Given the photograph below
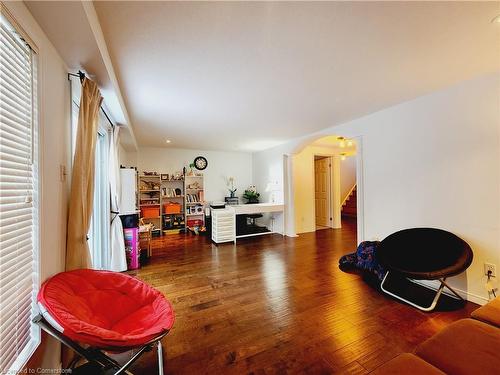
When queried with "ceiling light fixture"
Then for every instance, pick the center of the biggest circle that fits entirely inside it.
(343, 156)
(168, 141)
(343, 141)
(496, 19)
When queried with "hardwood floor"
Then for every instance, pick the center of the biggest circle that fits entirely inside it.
(275, 304)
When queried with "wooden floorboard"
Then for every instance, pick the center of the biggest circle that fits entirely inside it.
(277, 305)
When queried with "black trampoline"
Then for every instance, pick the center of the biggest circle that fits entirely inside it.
(423, 254)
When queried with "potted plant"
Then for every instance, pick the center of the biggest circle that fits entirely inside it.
(230, 187)
(251, 195)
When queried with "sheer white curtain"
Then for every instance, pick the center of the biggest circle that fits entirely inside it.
(118, 261)
(99, 234)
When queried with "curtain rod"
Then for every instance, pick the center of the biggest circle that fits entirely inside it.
(81, 75)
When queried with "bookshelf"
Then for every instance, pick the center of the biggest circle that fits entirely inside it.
(148, 191)
(194, 201)
(172, 206)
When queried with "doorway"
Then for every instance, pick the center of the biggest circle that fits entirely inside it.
(322, 191)
(305, 189)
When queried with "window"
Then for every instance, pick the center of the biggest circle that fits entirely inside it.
(18, 197)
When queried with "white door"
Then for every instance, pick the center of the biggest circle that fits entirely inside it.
(321, 191)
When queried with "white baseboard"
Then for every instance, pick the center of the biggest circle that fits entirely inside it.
(434, 284)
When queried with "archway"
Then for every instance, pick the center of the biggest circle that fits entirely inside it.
(300, 180)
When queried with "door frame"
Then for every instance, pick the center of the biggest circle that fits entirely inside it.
(360, 189)
(329, 188)
(288, 184)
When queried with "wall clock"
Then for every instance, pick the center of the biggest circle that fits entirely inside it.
(200, 163)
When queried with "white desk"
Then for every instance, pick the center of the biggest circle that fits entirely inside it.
(224, 230)
(257, 208)
(260, 208)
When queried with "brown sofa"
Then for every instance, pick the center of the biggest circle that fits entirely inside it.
(465, 347)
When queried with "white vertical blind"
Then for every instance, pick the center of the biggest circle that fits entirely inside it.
(18, 199)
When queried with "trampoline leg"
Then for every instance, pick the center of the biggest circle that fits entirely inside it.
(423, 308)
(160, 358)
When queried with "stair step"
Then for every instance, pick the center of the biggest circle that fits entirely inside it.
(349, 208)
(351, 216)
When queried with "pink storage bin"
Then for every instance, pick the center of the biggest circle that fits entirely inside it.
(132, 250)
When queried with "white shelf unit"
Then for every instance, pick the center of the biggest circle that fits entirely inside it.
(223, 225)
(149, 197)
(129, 202)
(194, 200)
(173, 191)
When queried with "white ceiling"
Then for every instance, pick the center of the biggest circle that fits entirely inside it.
(68, 25)
(250, 75)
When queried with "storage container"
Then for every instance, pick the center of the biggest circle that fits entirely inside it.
(194, 223)
(150, 212)
(130, 221)
(132, 249)
(172, 208)
(223, 225)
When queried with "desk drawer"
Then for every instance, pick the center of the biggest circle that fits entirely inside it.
(225, 231)
(223, 239)
(224, 220)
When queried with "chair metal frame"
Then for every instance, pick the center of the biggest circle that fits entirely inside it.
(432, 306)
(98, 357)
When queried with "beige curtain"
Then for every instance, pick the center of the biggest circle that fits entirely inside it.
(82, 180)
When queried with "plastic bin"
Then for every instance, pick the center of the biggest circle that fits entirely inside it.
(132, 249)
(130, 221)
(150, 212)
(172, 208)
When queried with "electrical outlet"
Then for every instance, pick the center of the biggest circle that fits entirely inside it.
(490, 267)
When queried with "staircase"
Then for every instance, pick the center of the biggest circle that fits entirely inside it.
(349, 208)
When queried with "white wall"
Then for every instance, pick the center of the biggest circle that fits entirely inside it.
(127, 158)
(268, 169)
(54, 105)
(433, 161)
(220, 166)
(347, 176)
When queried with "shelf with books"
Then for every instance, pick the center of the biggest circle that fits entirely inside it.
(148, 192)
(173, 203)
(194, 202)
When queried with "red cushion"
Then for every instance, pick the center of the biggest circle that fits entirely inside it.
(106, 309)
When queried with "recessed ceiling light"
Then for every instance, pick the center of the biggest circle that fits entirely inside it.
(168, 141)
(496, 19)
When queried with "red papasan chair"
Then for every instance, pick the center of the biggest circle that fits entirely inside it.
(100, 312)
